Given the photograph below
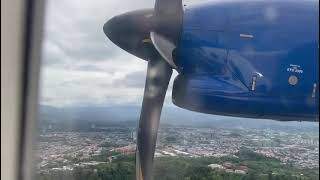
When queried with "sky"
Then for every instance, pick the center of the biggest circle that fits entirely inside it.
(79, 63)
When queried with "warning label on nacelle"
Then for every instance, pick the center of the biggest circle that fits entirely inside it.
(295, 69)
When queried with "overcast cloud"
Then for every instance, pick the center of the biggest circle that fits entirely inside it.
(80, 64)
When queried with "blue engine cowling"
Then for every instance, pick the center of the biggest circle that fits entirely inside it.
(250, 59)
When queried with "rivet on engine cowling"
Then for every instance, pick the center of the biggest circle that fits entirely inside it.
(293, 80)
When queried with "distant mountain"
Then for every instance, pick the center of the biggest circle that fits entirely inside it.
(88, 113)
(129, 115)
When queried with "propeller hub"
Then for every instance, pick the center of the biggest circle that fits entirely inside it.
(131, 31)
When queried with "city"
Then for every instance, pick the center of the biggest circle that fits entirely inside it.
(65, 151)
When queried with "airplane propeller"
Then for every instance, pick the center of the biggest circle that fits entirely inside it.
(152, 35)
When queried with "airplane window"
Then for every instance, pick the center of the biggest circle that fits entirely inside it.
(108, 72)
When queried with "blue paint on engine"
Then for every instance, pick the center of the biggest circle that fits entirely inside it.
(250, 59)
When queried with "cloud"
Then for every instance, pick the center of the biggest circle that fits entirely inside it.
(80, 64)
(75, 28)
(134, 80)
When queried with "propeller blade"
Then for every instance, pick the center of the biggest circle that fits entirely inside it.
(164, 47)
(158, 76)
(168, 17)
(168, 7)
(131, 32)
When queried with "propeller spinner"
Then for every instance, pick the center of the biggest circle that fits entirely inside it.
(152, 35)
